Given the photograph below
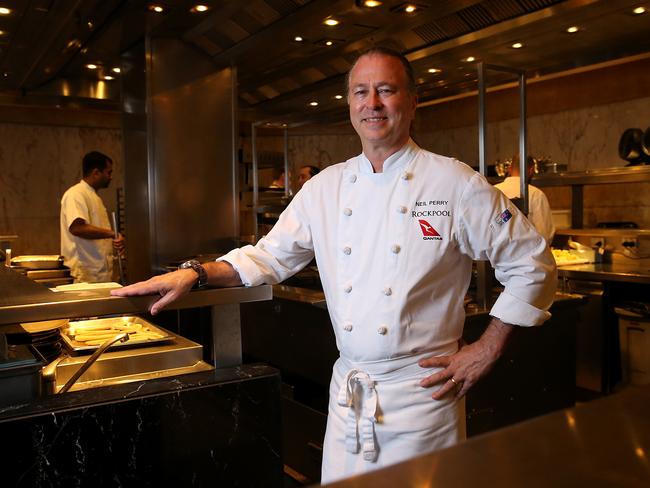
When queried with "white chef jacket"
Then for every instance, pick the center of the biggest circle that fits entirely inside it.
(89, 260)
(394, 251)
(539, 210)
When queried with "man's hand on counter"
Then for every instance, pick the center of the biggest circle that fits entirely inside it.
(470, 363)
(172, 286)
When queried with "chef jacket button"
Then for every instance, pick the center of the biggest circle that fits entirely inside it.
(406, 175)
(382, 330)
(347, 327)
(387, 291)
(347, 211)
(353, 178)
(395, 249)
(401, 209)
(347, 250)
(347, 289)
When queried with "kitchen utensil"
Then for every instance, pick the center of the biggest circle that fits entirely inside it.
(119, 253)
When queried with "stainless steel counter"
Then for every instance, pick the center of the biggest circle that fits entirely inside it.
(628, 273)
(22, 300)
(605, 443)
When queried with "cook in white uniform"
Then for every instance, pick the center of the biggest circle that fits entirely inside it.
(87, 240)
(539, 210)
(394, 232)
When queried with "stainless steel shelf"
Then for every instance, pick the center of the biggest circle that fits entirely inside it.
(602, 232)
(627, 174)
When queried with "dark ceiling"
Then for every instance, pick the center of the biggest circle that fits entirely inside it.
(45, 45)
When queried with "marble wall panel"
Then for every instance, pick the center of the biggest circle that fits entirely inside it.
(37, 164)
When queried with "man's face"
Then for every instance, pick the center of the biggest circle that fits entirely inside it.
(105, 176)
(303, 176)
(381, 106)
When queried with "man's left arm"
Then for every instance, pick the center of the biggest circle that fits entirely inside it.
(491, 228)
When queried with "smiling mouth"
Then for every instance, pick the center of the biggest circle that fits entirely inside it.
(374, 119)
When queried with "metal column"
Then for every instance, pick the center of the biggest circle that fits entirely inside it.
(484, 271)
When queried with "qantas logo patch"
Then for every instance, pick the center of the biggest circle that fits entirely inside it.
(503, 217)
(428, 232)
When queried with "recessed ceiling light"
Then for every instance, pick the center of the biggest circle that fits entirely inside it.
(573, 29)
(5, 11)
(639, 11)
(409, 9)
(434, 70)
(109, 77)
(338, 97)
(298, 39)
(469, 59)
(313, 104)
(517, 45)
(200, 8)
(328, 43)
(90, 24)
(156, 8)
(371, 3)
(91, 66)
(2, 33)
(331, 22)
(116, 70)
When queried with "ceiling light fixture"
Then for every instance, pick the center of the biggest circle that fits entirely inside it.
(639, 11)
(371, 3)
(199, 8)
(156, 8)
(313, 104)
(338, 97)
(2, 33)
(5, 11)
(409, 9)
(116, 70)
(573, 29)
(328, 43)
(109, 77)
(517, 45)
(331, 22)
(298, 39)
(434, 70)
(469, 59)
(91, 66)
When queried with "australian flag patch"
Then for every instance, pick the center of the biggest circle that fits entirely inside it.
(503, 217)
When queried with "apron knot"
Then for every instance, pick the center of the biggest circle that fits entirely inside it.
(359, 395)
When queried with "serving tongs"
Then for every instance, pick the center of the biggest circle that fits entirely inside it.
(49, 371)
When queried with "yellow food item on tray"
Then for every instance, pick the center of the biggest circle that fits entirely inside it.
(564, 255)
(96, 334)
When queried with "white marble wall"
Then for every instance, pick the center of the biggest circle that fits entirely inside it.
(37, 164)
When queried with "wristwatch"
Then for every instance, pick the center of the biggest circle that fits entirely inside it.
(200, 270)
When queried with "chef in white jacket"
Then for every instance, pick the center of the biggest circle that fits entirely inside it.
(394, 232)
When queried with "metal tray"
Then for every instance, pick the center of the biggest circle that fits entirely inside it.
(77, 346)
(39, 261)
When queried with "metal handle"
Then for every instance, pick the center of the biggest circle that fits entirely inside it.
(119, 254)
(121, 337)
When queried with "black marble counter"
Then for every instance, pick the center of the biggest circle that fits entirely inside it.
(192, 430)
